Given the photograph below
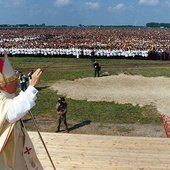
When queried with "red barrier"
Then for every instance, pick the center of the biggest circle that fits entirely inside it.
(166, 124)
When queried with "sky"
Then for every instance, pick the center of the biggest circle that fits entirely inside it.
(84, 12)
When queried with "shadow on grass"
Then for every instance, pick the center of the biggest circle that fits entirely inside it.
(43, 87)
(79, 125)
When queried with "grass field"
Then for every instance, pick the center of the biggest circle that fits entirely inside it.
(56, 69)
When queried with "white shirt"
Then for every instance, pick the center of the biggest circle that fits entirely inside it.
(21, 104)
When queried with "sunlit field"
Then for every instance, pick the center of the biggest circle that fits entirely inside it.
(56, 69)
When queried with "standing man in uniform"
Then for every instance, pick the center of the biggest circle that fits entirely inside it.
(61, 109)
(97, 69)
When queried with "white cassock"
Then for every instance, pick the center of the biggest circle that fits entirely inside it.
(16, 149)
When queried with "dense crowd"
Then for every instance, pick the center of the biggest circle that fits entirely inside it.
(87, 41)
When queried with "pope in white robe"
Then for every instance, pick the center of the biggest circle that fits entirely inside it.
(16, 149)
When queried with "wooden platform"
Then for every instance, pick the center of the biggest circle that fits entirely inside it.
(91, 152)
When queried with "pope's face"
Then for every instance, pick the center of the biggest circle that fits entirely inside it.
(10, 87)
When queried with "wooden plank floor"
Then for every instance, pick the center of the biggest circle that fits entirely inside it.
(91, 152)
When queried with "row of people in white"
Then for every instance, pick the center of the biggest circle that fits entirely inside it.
(75, 52)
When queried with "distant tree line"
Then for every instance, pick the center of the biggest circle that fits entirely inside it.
(43, 25)
(158, 25)
(8, 26)
(22, 26)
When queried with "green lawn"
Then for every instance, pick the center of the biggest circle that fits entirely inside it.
(56, 69)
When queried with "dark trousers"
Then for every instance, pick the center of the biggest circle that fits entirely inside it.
(96, 73)
(60, 119)
(23, 86)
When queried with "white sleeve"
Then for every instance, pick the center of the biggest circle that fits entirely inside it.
(21, 104)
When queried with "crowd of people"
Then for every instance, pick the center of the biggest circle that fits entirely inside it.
(78, 42)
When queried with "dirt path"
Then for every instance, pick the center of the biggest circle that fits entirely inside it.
(121, 89)
(87, 127)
